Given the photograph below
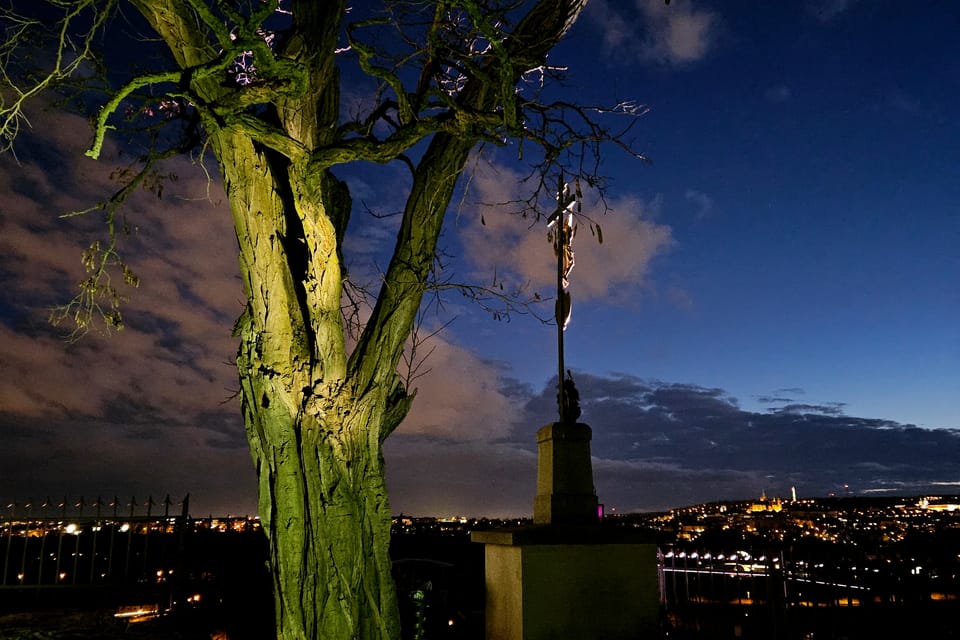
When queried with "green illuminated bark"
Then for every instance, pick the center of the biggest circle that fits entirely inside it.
(316, 421)
(316, 417)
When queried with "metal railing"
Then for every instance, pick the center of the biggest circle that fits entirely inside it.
(73, 543)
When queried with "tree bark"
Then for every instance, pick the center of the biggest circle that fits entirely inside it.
(316, 420)
(314, 436)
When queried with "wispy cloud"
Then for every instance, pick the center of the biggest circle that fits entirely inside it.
(460, 398)
(658, 445)
(150, 409)
(702, 202)
(149, 406)
(518, 251)
(778, 93)
(652, 30)
(828, 10)
(814, 446)
(826, 409)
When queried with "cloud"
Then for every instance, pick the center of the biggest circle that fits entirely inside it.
(617, 32)
(460, 397)
(827, 10)
(518, 251)
(829, 408)
(679, 298)
(475, 479)
(658, 445)
(176, 348)
(678, 33)
(701, 201)
(779, 93)
(675, 34)
(92, 457)
(148, 408)
(632, 486)
(772, 399)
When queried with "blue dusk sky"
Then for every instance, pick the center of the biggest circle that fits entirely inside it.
(775, 303)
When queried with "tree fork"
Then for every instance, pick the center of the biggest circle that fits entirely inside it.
(315, 420)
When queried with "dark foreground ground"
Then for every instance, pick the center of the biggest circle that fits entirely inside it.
(70, 624)
(440, 585)
(225, 594)
(89, 616)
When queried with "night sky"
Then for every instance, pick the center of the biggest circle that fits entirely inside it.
(775, 303)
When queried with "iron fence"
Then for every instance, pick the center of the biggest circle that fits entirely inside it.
(72, 543)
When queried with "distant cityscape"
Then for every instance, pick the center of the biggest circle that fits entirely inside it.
(852, 519)
(835, 567)
(871, 521)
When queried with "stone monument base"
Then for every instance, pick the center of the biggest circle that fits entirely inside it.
(589, 583)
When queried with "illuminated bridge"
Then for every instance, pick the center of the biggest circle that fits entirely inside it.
(774, 595)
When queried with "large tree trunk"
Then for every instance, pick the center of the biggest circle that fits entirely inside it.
(315, 420)
(324, 507)
(315, 439)
(315, 429)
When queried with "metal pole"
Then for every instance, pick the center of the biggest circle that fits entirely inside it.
(76, 545)
(26, 540)
(93, 545)
(113, 531)
(126, 566)
(63, 518)
(561, 247)
(6, 559)
(43, 546)
(146, 538)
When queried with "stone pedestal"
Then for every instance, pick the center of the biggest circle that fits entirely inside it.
(565, 493)
(551, 582)
(568, 576)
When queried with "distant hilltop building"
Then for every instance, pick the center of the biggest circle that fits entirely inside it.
(775, 506)
(928, 506)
